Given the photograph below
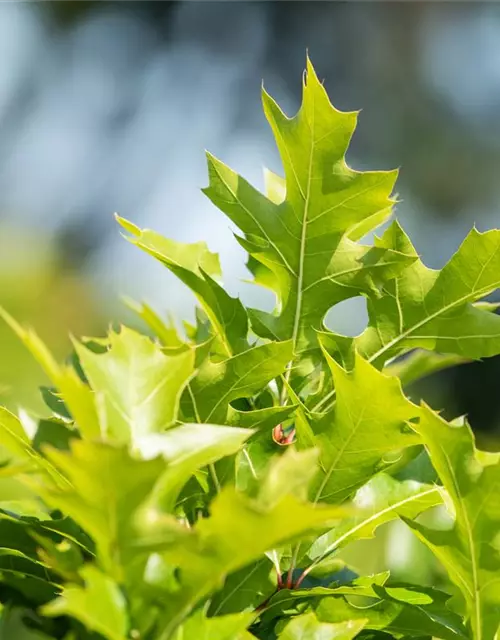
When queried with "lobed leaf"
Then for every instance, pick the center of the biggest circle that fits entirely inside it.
(228, 627)
(468, 550)
(219, 383)
(99, 604)
(186, 449)
(358, 438)
(300, 234)
(381, 500)
(76, 394)
(107, 487)
(308, 626)
(139, 386)
(433, 309)
(194, 264)
(238, 531)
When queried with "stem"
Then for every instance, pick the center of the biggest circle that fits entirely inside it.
(276, 563)
(341, 539)
(211, 466)
(250, 463)
(213, 474)
(286, 379)
(324, 400)
(302, 576)
(293, 562)
(263, 605)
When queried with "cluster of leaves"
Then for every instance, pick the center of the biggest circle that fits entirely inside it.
(201, 485)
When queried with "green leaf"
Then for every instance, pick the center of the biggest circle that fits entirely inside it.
(99, 604)
(14, 438)
(468, 550)
(229, 627)
(245, 589)
(55, 403)
(404, 612)
(186, 449)
(360, 437)
(218, 384)
(308, 627)
(24, 575)
(261, 419)
(139, 385)
(419, 364)
(76, 395)
(12, 625)
(301, 241)
(107, 488)
(289, 474)
(194, 264)
(379, 501)
(433, 309)
(165, 332)
(53, 432)
(238, 532)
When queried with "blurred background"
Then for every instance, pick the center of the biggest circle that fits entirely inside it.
(108, 107)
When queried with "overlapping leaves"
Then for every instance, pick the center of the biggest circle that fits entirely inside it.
(434, 309)
(163, 497)
(469, 550)
(305, 240)
(357, 438)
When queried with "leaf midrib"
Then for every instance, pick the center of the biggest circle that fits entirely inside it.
(375, 516)
(235, 386)
(470, 542)
(468, 297)
(303, 239)
(339, 455)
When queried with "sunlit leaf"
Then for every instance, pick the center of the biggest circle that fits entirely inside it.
(433, 309)
(107, 488)
(359, 437)
(308, 626)
(239, 531)
(194, 264)
(76, 394)
(228, 627)
(139, 385)
(300, 238)
(99, 604)
(381, 500)
(468, 550)
(219, 383)
(186, 449)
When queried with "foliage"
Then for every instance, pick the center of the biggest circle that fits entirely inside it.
(202, 484)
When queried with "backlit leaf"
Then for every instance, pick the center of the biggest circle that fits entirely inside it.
(228, 627)
(308, 627)
(468, 550)
(107, 488)
(301, 239)
(194, 264)
(433, 309)
(76, 394)
(359, 437)
(139, 385)
(381, 500)
(219, 383)
(99, 604)
(186, 449)
(238, 531)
